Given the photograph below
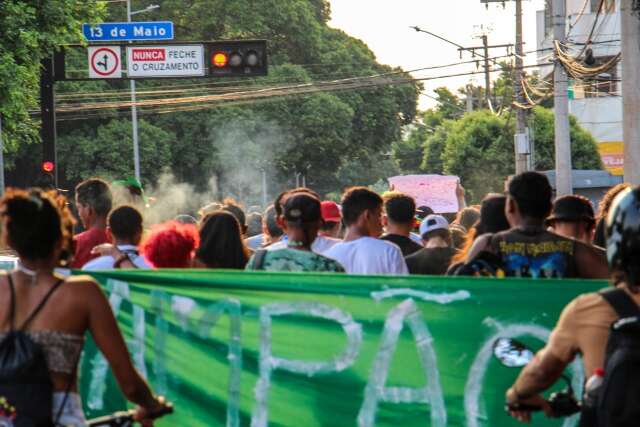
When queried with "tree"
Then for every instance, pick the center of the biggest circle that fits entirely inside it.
(107, 151)
(31, 30)
(479, 149)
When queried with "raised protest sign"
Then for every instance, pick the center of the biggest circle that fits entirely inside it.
(436, 191)
(316, 350)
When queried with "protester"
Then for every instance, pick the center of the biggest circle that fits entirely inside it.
(124, 228)
(209, 208)
(436, 255)
(398, 220)
(320, 245)
(186, 219)
(221, 244)
(458, 235)
(573, 217)
(254, 224)
(302, 219)
(171, 245)
(234, 208)
(467, 217)
(93, 202)
(586, 322)
(56, 313)
(361, 252)
(603, 211)
(332, 220)
(528, 249)
(492, 220)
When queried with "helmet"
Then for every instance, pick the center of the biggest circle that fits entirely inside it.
(623, 234)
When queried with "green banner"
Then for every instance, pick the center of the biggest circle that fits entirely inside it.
(323, 350)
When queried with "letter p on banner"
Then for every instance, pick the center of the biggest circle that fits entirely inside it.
(269, 362)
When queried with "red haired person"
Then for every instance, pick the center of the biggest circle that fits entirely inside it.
(171, 245)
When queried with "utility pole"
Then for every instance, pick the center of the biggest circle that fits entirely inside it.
(469, 98)
(564, 169)
(630, 25)
(487, 69)
(134, 115)
(487, 75)
(521, 141)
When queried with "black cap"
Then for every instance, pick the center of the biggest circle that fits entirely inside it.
(300, 208)
(424, 211)
(572, 208)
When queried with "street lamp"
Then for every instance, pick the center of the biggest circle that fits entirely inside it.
(134, 109)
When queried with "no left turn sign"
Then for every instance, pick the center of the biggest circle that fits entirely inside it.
(104, 62)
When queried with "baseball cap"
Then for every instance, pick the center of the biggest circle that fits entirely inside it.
(432, 223)
(300, 208)
(330, 211)
(572, 208)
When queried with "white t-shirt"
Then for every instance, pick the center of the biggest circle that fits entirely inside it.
(320, 245)
(416, 238)
(367, 255)
(254, 242)
(106, 262)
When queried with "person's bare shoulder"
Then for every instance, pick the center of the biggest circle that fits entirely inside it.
(479, 245)
(82, 286)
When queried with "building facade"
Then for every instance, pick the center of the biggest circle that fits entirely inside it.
(596, 103)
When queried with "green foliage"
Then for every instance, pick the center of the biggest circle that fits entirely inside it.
(29, 31)
(107, 151)
(433, 148)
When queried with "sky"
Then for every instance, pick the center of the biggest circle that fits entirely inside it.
(384, 26)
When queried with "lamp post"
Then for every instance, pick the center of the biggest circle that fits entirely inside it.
(134, 109)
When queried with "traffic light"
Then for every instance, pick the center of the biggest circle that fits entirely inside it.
(237, 58)
(48, 178)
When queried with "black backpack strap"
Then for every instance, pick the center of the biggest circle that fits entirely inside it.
(258, 259)
(12, 307)
(621, 302)
(40, 306)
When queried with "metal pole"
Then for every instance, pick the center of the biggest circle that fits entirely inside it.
(469, 99)
(1, 160)
(487, 75)
(564, 172)
(521, 132)
(134, 115)
(630, 25)
(264, 189)
(48, 116)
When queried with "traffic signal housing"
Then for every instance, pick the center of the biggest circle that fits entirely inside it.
(237, 58)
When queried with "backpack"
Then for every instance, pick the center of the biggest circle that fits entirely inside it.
(26, 391)
(618, 397)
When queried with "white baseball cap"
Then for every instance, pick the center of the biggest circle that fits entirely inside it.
(432, 223)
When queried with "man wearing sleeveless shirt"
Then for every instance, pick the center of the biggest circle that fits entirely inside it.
(528, 249)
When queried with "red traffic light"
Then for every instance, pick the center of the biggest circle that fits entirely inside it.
(48, 167)
(219, 59)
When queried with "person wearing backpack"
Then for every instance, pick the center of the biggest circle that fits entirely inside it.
(44, 318)
(604, 328)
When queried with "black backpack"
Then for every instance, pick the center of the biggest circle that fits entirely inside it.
(618, 399)
(25, 381)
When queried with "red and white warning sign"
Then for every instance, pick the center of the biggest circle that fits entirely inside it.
(165, 61)
(104, 62)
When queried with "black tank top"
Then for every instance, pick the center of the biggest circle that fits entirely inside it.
(535, 253)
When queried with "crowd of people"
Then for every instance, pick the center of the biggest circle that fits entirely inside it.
(521, 233)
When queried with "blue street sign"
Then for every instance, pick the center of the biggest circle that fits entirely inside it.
(126, 31)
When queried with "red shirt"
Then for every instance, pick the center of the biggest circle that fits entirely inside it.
(86, 241)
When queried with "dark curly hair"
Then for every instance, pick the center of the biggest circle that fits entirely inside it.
(35, 221)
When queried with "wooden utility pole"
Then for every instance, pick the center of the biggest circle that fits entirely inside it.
(630, 25)
(564, 171)
(521, 140)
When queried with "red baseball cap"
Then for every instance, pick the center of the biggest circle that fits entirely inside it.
(330, 211)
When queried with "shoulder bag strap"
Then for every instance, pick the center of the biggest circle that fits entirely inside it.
(622, 303)
(258, 260)
(12, 307)
(40, 306)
